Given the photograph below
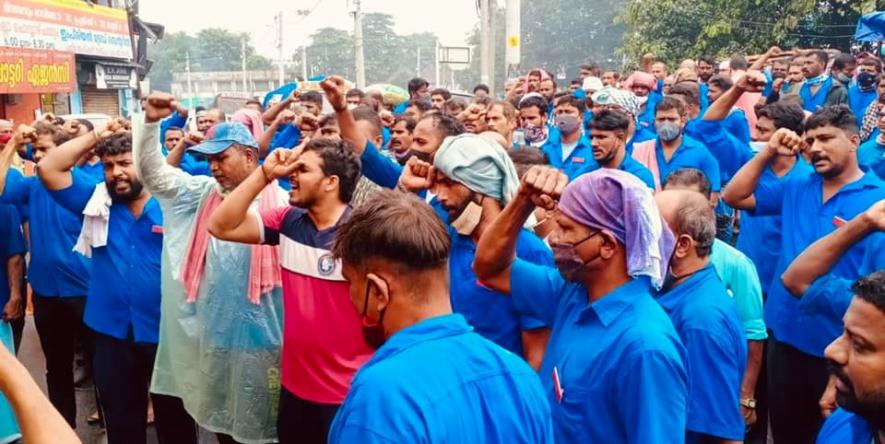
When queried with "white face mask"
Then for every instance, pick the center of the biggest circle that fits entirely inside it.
(469, 219)
(757, 146)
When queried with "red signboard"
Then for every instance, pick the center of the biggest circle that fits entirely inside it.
(24, 71)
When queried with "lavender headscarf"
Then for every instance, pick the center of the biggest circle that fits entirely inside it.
(619, 202)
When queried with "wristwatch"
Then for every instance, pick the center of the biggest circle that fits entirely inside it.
(748, 403)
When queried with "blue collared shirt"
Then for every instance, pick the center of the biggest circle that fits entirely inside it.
(12, 243)
(870, 154)
(54, 270)
(739, 275)
(626, 337)
(576, 163)
(95, 171)
(124, 290)
(859, 100)
(760, 237)
(629, 165)
(691, 154)
(844, 427)
(737, 125)
(729, 152)
(804, 220)
(708, 323)
(437, 381)
(492, 314)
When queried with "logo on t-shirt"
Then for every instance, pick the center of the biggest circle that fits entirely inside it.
(326, 265)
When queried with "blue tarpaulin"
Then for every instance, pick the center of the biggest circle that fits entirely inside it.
(279, 94)
(871, 27)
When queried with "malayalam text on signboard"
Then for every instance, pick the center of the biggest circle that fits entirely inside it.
(65, 25)
(25, 71)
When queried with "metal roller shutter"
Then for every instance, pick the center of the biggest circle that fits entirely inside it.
(102, 101)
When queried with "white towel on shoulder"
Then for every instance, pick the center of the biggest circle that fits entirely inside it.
(96, 217)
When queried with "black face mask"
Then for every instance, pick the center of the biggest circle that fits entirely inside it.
(373, 333)
(421, 155)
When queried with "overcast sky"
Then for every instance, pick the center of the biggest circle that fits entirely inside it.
(451, 20)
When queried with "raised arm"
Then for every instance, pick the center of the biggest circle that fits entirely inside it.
(39, 421)
(496, 249)
(173, 157)
(759, 63)
(739, 192)
(336, 91)
(160, 178)
(55, 168)
(231, 220)
(752, 82)
(821, 256)
(285, 117)
(22, 136)
(271, 114)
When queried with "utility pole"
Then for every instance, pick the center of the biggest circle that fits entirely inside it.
(418, 65)
(243, 51)
(280, 60)
(190, 86)
(514, 39)
(359, 62)
(304, 13)
(436, 62)
(487, 42)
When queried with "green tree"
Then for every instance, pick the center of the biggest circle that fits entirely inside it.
(168, 57)
(384, 50)
(330, 52)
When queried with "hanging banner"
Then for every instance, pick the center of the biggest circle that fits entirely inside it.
(24, 71)
(65, 25)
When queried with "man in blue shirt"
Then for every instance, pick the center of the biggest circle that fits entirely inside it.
(608, 138)
(123, 234)
(863, 92)
(12, 258)
(394, 252)
(820, 89)
(417, 90)
(856, 358)
(706, 319)
(736, 121)
(58, 276)
(811, 206)
(606, 325)
(872, 152)
(569, 148)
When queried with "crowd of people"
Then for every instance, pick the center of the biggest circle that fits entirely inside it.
(692, 256)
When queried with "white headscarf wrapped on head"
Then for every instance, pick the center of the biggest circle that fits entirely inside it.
(481, 165)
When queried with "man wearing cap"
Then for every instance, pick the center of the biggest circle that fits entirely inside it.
(614, 369)
(434, 379)
(474, 179)
(218, 356)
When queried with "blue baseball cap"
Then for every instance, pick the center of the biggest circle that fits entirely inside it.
(223, 136)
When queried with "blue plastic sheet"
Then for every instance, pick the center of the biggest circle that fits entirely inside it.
(871, 27)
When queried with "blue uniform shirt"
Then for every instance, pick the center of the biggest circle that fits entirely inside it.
(473, 392)
(729, 152)
(844, 427)
(737, 125)
(575, 164)
(54, 270)
(870, 154)
(96, 171)
(492, 314)
(12, 243)
(691, 154)
(624, 337)
(124, 290)
(812, 103)
(859, 100)
(804, 220)
(629, 165)
(708, 323)
(760, 237)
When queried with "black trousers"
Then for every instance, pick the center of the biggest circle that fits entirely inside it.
(59, 322)
(174, 425)
(796, 382)
(758, 433)
(302, 421)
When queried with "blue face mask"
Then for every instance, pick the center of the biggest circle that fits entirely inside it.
(668, 131)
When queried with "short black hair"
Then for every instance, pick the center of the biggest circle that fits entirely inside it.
(423, 105)
(441, 92)
(689, 91)
(50, 129)
(842, 60)
(174, 128)
(610, 120)
(355, 92)
(668, 103)
(253, 102)
(117, 143)
(87, 123)
(872, 61)
(416, 84)
(839, 116)
(410, 122)
(871, 288)
(690, 177)
(571, 100)
(446, 125)
(535, 101)
(339, 159)
(312, 97)
(578, 82)
(821, 56)
(365, 113)
(526, 157)
(738, 63)
(789, 116)
(708, 60)
(481, 87)
(724, 83)
(328, 119)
